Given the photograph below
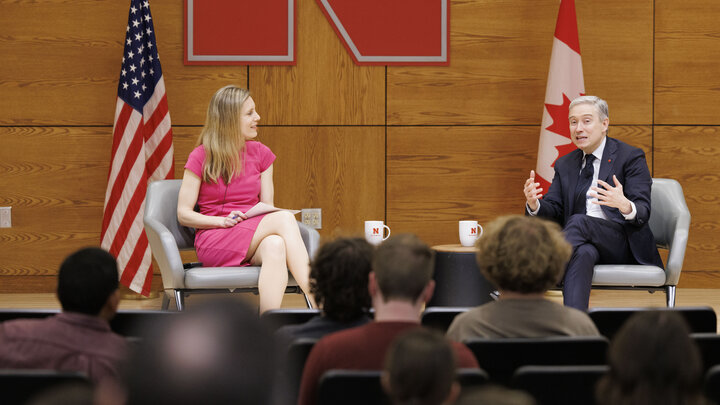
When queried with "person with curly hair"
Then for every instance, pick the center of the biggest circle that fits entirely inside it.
(523, 257)
(400, 285)
(338, 281)
(653, 360)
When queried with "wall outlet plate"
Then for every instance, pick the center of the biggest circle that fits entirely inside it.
(311, 217)
(5, 217)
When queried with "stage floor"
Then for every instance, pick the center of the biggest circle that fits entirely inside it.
(599, 298)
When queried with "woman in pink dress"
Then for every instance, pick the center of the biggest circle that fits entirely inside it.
(226, 174)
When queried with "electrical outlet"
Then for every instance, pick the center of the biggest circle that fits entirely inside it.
(312, 217)
(5, 221)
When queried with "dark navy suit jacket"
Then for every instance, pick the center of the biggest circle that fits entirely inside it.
(629, 165)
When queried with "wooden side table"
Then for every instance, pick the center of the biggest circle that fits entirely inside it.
(458, 282)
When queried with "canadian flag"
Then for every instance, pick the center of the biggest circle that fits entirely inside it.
(565, 82)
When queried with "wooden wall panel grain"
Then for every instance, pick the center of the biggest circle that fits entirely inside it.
(616, 42)
(338, 169)
(500, 54)
(691, 156)
(61, 63)
(325, 87)
(460, 139)
(55, 180)
(437, 176)
(687, 51)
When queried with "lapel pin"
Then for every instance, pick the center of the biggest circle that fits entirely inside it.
(609, 160)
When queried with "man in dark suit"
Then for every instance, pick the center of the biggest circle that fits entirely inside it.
(601, 196)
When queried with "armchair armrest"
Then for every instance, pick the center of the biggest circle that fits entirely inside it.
(311, 237)
(164, 248)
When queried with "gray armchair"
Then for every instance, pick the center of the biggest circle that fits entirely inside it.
(670, 224)
(167, 238)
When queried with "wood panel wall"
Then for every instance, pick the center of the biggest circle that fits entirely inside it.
(420, 147)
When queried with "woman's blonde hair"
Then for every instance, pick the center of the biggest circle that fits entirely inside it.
(221, 134)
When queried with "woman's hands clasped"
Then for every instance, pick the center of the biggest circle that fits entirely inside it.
(232, 219)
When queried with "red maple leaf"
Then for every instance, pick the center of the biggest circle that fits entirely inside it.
(560, 126)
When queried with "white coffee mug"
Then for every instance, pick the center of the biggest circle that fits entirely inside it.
(470, 231)
(374, 232)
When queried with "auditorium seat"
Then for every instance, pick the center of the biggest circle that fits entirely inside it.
(18, 386)
(276, 318)
(440, 318)
(7, 314)
(559, 385)
(131, 322)
(356, 387)
(709, 346)
(501, 357)
(712, 384)
(291, 369)
(127, 322)
(610, 320)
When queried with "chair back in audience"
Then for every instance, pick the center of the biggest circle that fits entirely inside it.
(712, 384)
(131, 323)
(709, 345)
(291, 370)
(19, 386)
(501, 357)
(127, 323)
(350, 387)
(440, 318)
(277, 318)
(610, 320)
(8, 314)
(471, 377)
(559, 385)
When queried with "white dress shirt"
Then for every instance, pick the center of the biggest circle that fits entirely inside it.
(592, 209)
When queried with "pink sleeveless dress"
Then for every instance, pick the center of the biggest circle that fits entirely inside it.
(220, 247)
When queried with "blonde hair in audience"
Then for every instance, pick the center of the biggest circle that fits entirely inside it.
(523, 254)
(221, 135)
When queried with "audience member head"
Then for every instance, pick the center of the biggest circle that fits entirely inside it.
(221, 135)
(88, 283)
(521, 254)
(403, 268)
(420, 369)
(217, 352)
(491, 394)
(339, 278)
(653, 360)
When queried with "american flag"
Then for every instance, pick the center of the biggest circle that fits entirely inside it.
(142, 150)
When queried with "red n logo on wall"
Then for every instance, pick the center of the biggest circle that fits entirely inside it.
(239, 32)
(375, 32)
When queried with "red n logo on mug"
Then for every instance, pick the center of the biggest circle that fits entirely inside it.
(376, 231)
